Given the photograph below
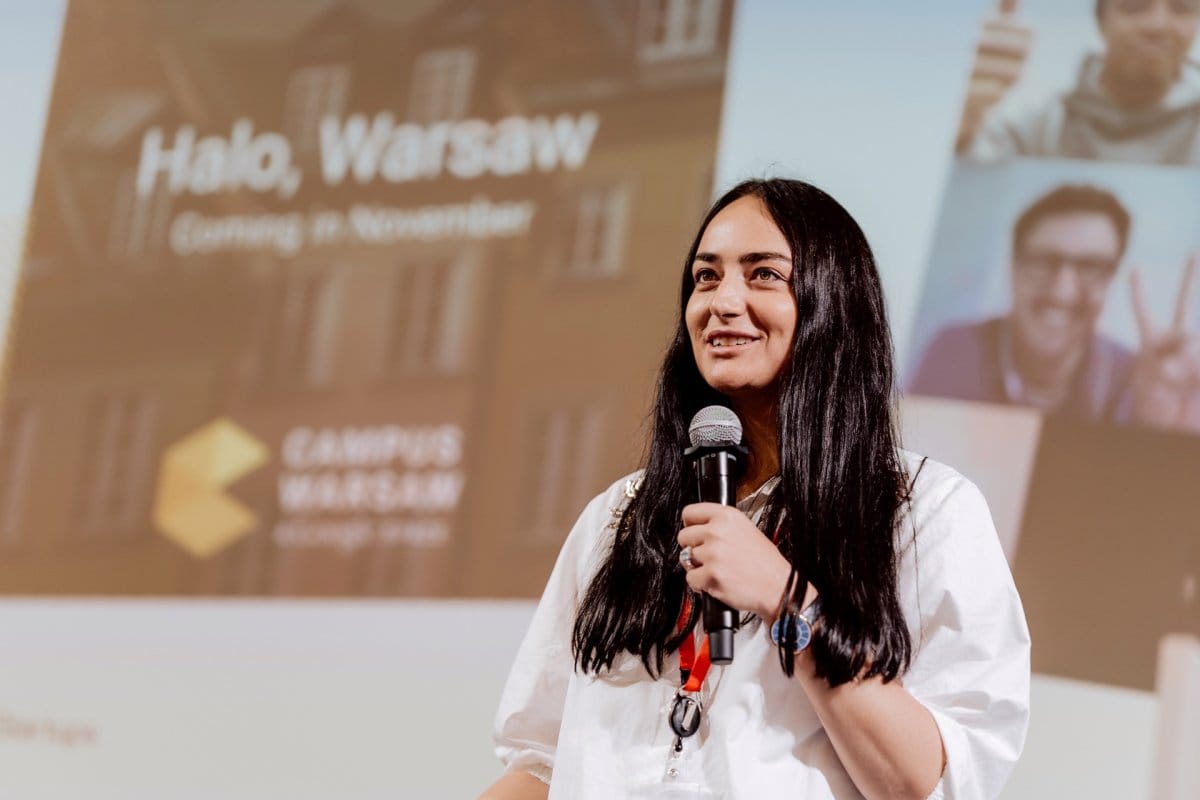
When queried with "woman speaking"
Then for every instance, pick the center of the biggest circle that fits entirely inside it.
(882, 650)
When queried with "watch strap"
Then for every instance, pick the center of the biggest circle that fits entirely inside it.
(812, 612)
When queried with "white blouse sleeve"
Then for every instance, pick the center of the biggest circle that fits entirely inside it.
(971, 647)
(527, 721)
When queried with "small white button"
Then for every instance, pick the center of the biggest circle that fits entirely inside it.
(672, 773)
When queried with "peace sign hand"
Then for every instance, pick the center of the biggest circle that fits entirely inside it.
(1166, 376)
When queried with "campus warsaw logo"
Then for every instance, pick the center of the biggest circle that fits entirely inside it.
(191, 507)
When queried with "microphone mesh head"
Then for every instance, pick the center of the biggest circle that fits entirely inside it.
(715, 426)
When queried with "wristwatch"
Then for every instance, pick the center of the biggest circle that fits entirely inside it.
(802, 625)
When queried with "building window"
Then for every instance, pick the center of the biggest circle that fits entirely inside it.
(314, 93)
(17, 429)
(139, 221)
(432, 317)
(306, 328)
(118, 465)
(567, 449)
(675, 29)
(441, 85)
(598, 228)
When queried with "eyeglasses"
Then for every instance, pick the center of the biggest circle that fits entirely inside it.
(1095, 271)
(1180, 8)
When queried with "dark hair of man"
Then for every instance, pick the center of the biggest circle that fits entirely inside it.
(1072, 199)
(841, 480)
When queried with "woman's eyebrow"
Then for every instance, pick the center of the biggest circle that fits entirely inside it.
(748, 258)
(754, 258)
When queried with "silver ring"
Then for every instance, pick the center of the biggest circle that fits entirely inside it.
(685, 558)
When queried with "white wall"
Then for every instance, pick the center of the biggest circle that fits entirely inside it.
(354, 700)
(295, 700)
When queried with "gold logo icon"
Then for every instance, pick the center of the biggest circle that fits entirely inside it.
(191, 507)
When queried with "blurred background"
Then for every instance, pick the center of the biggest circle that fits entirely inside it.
(324, 318)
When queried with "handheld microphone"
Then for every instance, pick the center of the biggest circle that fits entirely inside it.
(717, 458)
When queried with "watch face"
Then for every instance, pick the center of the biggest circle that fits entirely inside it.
(803, 633)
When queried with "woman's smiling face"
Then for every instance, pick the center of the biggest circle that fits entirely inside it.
(741, 316)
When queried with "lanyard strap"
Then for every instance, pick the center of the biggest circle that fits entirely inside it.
(693, 666)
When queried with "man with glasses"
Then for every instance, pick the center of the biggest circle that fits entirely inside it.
(1045, 352)
(1137, 101)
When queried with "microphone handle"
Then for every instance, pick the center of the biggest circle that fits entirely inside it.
(720, 621)
(716, 480)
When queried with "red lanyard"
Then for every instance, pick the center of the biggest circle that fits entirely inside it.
(694, 666)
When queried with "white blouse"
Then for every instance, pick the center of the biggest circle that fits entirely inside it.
(608, 737)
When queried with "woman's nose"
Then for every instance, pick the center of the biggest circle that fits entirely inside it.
(729, 299)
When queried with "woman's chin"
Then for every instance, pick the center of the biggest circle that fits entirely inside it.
(744, 391)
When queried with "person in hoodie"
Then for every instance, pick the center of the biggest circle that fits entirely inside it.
(1138, 101)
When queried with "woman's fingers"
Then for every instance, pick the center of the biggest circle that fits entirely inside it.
(703, 521)
(692, 535)
(700, 513)
(701, 580)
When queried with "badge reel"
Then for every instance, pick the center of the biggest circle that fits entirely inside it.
(686, 715)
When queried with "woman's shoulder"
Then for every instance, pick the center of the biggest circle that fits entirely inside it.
(589, 538)
(940, 498)
(617, 495)
(929, 482)
(626, 487)
(603, 511)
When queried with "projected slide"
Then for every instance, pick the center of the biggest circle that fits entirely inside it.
(317, 292)
(1064, 278)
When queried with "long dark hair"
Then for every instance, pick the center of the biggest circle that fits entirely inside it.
(841, 484)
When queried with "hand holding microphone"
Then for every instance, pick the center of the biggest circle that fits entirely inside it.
(726, 556)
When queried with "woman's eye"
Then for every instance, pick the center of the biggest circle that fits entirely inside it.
(766, 274)
(705, 275)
